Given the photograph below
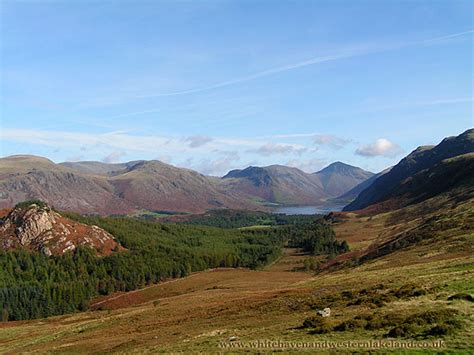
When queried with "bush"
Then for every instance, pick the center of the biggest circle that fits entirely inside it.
(440, 330)
(28, 203)
(318, 325)
(351, 325)
(461, 296)
(416, 324)
(407, 291)
(400, 331)
(430, 317)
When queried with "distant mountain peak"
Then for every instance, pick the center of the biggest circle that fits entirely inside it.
(340, 167)
(27, 158)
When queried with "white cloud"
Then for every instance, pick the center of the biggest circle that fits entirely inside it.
(167, 159)
(198, 141)
(330, 141)
(381, 147)
(113, 157)
(220, 166)
(75, 158)
(278, 149)
(309, 166)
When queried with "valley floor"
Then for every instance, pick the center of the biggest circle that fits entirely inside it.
(214, 310)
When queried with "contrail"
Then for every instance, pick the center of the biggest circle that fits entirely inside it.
(448, 36)
(302, 64)
(258, 75)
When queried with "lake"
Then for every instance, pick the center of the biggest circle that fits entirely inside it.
(307, 210)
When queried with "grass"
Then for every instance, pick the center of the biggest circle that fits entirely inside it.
(196, 313)
(420, 292)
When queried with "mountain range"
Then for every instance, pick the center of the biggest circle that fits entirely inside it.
(96, 187)
(291, 186)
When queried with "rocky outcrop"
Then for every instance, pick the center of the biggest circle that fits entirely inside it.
(37, 227)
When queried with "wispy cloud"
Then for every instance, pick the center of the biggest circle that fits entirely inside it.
(113, 157)
(312, 61)
(75, 158)
(278, 149)
(447, 37)
(307, 165)
(258, 75)
(197, 141)
(219, 166)
(330, 141)
(125, 141)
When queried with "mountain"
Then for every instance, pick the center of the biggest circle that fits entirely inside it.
(26, 177)
(287, 185)
(97, 168)
(338, 178)
(92, 187)
(277, 184)
(449, 164)
(356, 190)
(154, 185)
(35, 226)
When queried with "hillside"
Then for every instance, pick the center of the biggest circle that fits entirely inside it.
(394, 186)
(48, 268)
(416, 294)
(356, 190)
(93, 187)
(407, 278)
(99, 168)
(27, 177)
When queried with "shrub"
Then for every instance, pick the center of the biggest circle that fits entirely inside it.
(317, 324)
(351, 325)
(28, 203)
(440, 330)
(348, 295)
(461, 296)
(430, 317)
(417, 324)
(400, 331)
(407, 291)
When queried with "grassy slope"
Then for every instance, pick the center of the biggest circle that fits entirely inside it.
(197, 312)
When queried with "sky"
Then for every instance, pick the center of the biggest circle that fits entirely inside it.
(219, 85)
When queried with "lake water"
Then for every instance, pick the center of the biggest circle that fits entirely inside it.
(322, 209)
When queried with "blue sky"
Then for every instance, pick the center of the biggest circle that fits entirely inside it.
(217, 85)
